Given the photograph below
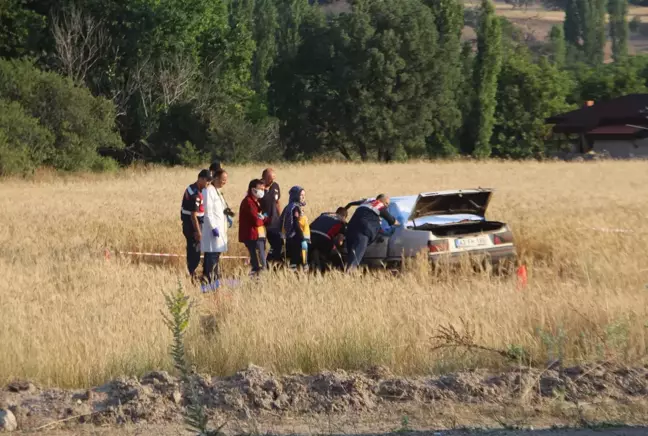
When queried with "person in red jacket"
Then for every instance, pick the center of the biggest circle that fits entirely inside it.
(252, 222)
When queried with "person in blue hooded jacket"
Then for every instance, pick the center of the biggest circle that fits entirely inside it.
(295, 228)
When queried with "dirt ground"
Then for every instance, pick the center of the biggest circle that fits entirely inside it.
(176, 430)
(255, 401)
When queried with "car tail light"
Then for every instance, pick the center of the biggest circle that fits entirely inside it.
(437, 246)
(503, 238)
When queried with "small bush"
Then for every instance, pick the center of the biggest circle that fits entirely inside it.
(190, 156)
(24, 143)
(236, 139)
(80, 123)
(105, 165)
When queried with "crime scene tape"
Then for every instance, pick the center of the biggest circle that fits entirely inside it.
(142, 253)
(608, 230)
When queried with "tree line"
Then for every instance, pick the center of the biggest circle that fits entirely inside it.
(89, 84)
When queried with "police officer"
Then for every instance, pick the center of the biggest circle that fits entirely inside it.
(192, 212)
(327, 233)
(364, 227)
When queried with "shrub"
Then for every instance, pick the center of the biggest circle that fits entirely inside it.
(24, 143)
(104, 164)
(80, 123)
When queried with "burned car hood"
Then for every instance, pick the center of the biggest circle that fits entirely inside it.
(467, 201)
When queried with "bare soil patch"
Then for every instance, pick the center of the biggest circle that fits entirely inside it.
(254, 395)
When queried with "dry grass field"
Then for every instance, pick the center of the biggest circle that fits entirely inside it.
(70, 317)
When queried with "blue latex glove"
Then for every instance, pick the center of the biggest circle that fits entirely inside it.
(261, 216)
(215, 232)
(304, 245)
(229, 221)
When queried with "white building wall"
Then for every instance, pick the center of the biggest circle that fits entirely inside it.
(622, 148)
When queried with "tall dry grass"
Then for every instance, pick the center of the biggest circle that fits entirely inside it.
(71, 318)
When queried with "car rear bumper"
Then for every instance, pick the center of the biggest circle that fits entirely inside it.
(494, 254)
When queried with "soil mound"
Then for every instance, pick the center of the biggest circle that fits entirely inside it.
(157, 396)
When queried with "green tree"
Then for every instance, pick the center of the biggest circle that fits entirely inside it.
(488, 64)
(266, 26)
(24, 143)
(594, 30)
(21, 29)
(292, 14)
(607, 81)
(573, 27)
(365, 83)
(527, 93)
(81, 124)
(447, 118)
(391, 48)
(618, 10)
(584, 28)
(557, 42)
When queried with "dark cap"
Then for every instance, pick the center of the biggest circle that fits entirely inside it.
(205, 174)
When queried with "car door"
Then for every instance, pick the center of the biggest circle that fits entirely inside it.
(377, 252)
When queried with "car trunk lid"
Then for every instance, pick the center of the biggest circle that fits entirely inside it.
(468, 201)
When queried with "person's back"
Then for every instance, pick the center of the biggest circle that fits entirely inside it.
(327, 232)
(366, 219)
(328, 225)
(364, 227)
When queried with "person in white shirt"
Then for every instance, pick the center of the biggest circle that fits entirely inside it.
(214, 230)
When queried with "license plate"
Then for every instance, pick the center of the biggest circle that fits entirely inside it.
(479, 241)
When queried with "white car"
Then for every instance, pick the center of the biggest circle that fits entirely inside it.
(445, 225)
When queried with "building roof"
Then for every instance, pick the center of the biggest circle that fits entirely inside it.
(629, 109)
(618, 132)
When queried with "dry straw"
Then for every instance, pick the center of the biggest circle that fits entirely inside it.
(71, 318)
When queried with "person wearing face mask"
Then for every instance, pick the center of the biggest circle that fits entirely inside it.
(252, 222)
(214, 230)
(296, 229)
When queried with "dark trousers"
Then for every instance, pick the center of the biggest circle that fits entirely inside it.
(321, 253)
(193, 247)
(294, 252)
(211, 271)
(193, 254)
(257, 254)
(275, 253)
(356, 247)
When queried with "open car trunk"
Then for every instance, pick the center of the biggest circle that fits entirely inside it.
(451, 213)
(460, 229)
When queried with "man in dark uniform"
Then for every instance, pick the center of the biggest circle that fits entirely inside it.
(327, 234)
(364, 227)
(272, 208)
(192, 212)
